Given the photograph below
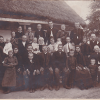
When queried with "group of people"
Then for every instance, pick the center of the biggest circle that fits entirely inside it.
(50, 58)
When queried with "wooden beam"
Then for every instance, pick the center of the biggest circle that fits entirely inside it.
(22, 20)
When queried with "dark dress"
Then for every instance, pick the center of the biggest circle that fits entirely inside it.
(19, 75)
(9, 79)
(86, 51)
(83, 78)
(93, 71)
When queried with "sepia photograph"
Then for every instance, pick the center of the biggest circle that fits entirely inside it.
(49, 49)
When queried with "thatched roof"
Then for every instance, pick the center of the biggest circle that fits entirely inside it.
(58, 11)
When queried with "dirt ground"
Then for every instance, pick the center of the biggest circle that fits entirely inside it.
(74, 93)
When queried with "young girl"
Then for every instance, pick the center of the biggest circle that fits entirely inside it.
(9, 79)
(41, 43)
(93, 70)
(35, 46)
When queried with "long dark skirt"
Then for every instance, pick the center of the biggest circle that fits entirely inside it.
(83, 79)
(9, 79)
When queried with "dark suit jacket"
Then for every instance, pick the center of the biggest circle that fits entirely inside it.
(85, 49)
(54, 31)
(18, 35)
(80, 59)
(71, 63)
(77, 33)
(60, 60)
(41, 33)
(44, 60)
(62, 34)
(31, 66)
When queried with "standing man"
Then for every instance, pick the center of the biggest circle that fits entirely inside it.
(77, 34)
(62, 34)
(51, 32)
(19, 33)
(29, 34)
(40, 33)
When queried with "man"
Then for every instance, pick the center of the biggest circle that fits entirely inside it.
(40, 33)
(2, 44)
(68, 46)
(29, 34)
(51, 32)
(19, 33)
(77, 34)
(62, 34)
(60, 68)
(45, 69)
(22, 46)
(93, 42)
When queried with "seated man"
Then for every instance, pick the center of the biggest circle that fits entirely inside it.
(60, 67)
(45, 69)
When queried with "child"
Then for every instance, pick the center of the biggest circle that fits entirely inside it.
(71, 64)
(7, 47)
(52, 45)
(31, 67)
(41, 43)
(57, 43)
(35, 46)
(9, 79)
(93, 70)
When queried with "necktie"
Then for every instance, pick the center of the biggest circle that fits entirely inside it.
(68, 47)
(51, 33)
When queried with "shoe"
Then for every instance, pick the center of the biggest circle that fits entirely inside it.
(42, 88)
(31, 91)
(7, 92)
(67, 87)
(50, 88)
(57, 88)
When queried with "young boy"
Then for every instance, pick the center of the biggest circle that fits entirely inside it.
(71, 64)
(93, 70)
(31, 68)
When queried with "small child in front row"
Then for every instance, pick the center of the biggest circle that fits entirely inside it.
(93, 70)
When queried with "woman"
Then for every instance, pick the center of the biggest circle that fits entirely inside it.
(19, 69)
(9, 79)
